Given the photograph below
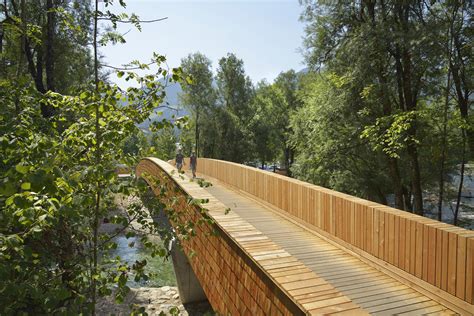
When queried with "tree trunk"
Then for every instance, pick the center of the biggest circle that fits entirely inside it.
(380, 196)
(49, 60)
(411, 102)
(287, 160)
(462, 94)
(95, 223)
(416, 180)
(445, 124)
(461, 177)
(443, 149)
(397, 182)
(197, 132)
(392, 162)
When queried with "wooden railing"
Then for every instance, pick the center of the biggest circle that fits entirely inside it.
(435, 257)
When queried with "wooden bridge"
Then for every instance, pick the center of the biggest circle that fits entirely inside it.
(292, 248)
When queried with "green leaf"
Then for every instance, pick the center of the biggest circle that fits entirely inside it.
(26, 186)
(84, 95)
(22, 169)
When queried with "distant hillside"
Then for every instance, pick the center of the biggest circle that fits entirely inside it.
(169, 108)
(304, 71)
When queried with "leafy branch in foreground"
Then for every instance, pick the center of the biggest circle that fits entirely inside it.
(57, 183)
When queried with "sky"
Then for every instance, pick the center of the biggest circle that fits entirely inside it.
(265, 34)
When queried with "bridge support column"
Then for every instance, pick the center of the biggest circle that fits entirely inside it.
(190, 290)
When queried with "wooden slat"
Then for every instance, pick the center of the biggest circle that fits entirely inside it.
(425, 253)
(437, 309)
(444, 260)
(382, 235)
(452, 262)
(395, 302)
(419, 249)
(318, 295)
(337, 308)
(431, 265)
(413, 254)
(376, 232)
(461, 261)
(419, 308)
(469, 294)
(402, 243)
(325, 303)
(439, 257)
(369, 219)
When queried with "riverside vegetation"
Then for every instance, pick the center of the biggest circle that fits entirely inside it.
(62, 129)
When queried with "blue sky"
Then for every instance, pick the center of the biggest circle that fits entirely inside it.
(266, 34)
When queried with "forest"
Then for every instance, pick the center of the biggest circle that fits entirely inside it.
(382, 111)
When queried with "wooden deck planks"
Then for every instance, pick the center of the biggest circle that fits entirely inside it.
(341, 275)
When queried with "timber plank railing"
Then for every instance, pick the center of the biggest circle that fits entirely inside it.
(435, 258)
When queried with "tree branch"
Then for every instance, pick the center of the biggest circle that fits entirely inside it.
(133, 22)
(126, 68)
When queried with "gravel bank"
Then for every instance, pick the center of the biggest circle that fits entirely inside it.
(156, 300)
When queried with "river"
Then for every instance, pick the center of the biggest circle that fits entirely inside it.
(161, 269)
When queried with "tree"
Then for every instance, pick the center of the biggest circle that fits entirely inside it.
(329, 151)
(234, 87)
(33, 32)
(268, 105)
(134, 143)
(163, 144)
(199, 95)
(460, 63)
(392, 50)
(234, 94)
(288, 83)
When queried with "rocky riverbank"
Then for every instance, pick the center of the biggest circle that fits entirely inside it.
(156, 301)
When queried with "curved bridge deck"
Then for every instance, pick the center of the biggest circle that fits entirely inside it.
(371, 289)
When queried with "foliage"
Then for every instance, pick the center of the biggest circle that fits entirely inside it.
(48, 42)
(329, 151)
(268, 106)
(396, 69)
(163, 144)
(50, 176)
(132, 144)
(235, 90)
(198, 92)
(390, 134)
(58, 183)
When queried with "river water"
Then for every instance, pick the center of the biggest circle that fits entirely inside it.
(161, 269)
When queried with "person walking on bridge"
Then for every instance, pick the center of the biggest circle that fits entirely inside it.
(193, 163)
(179, 160)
